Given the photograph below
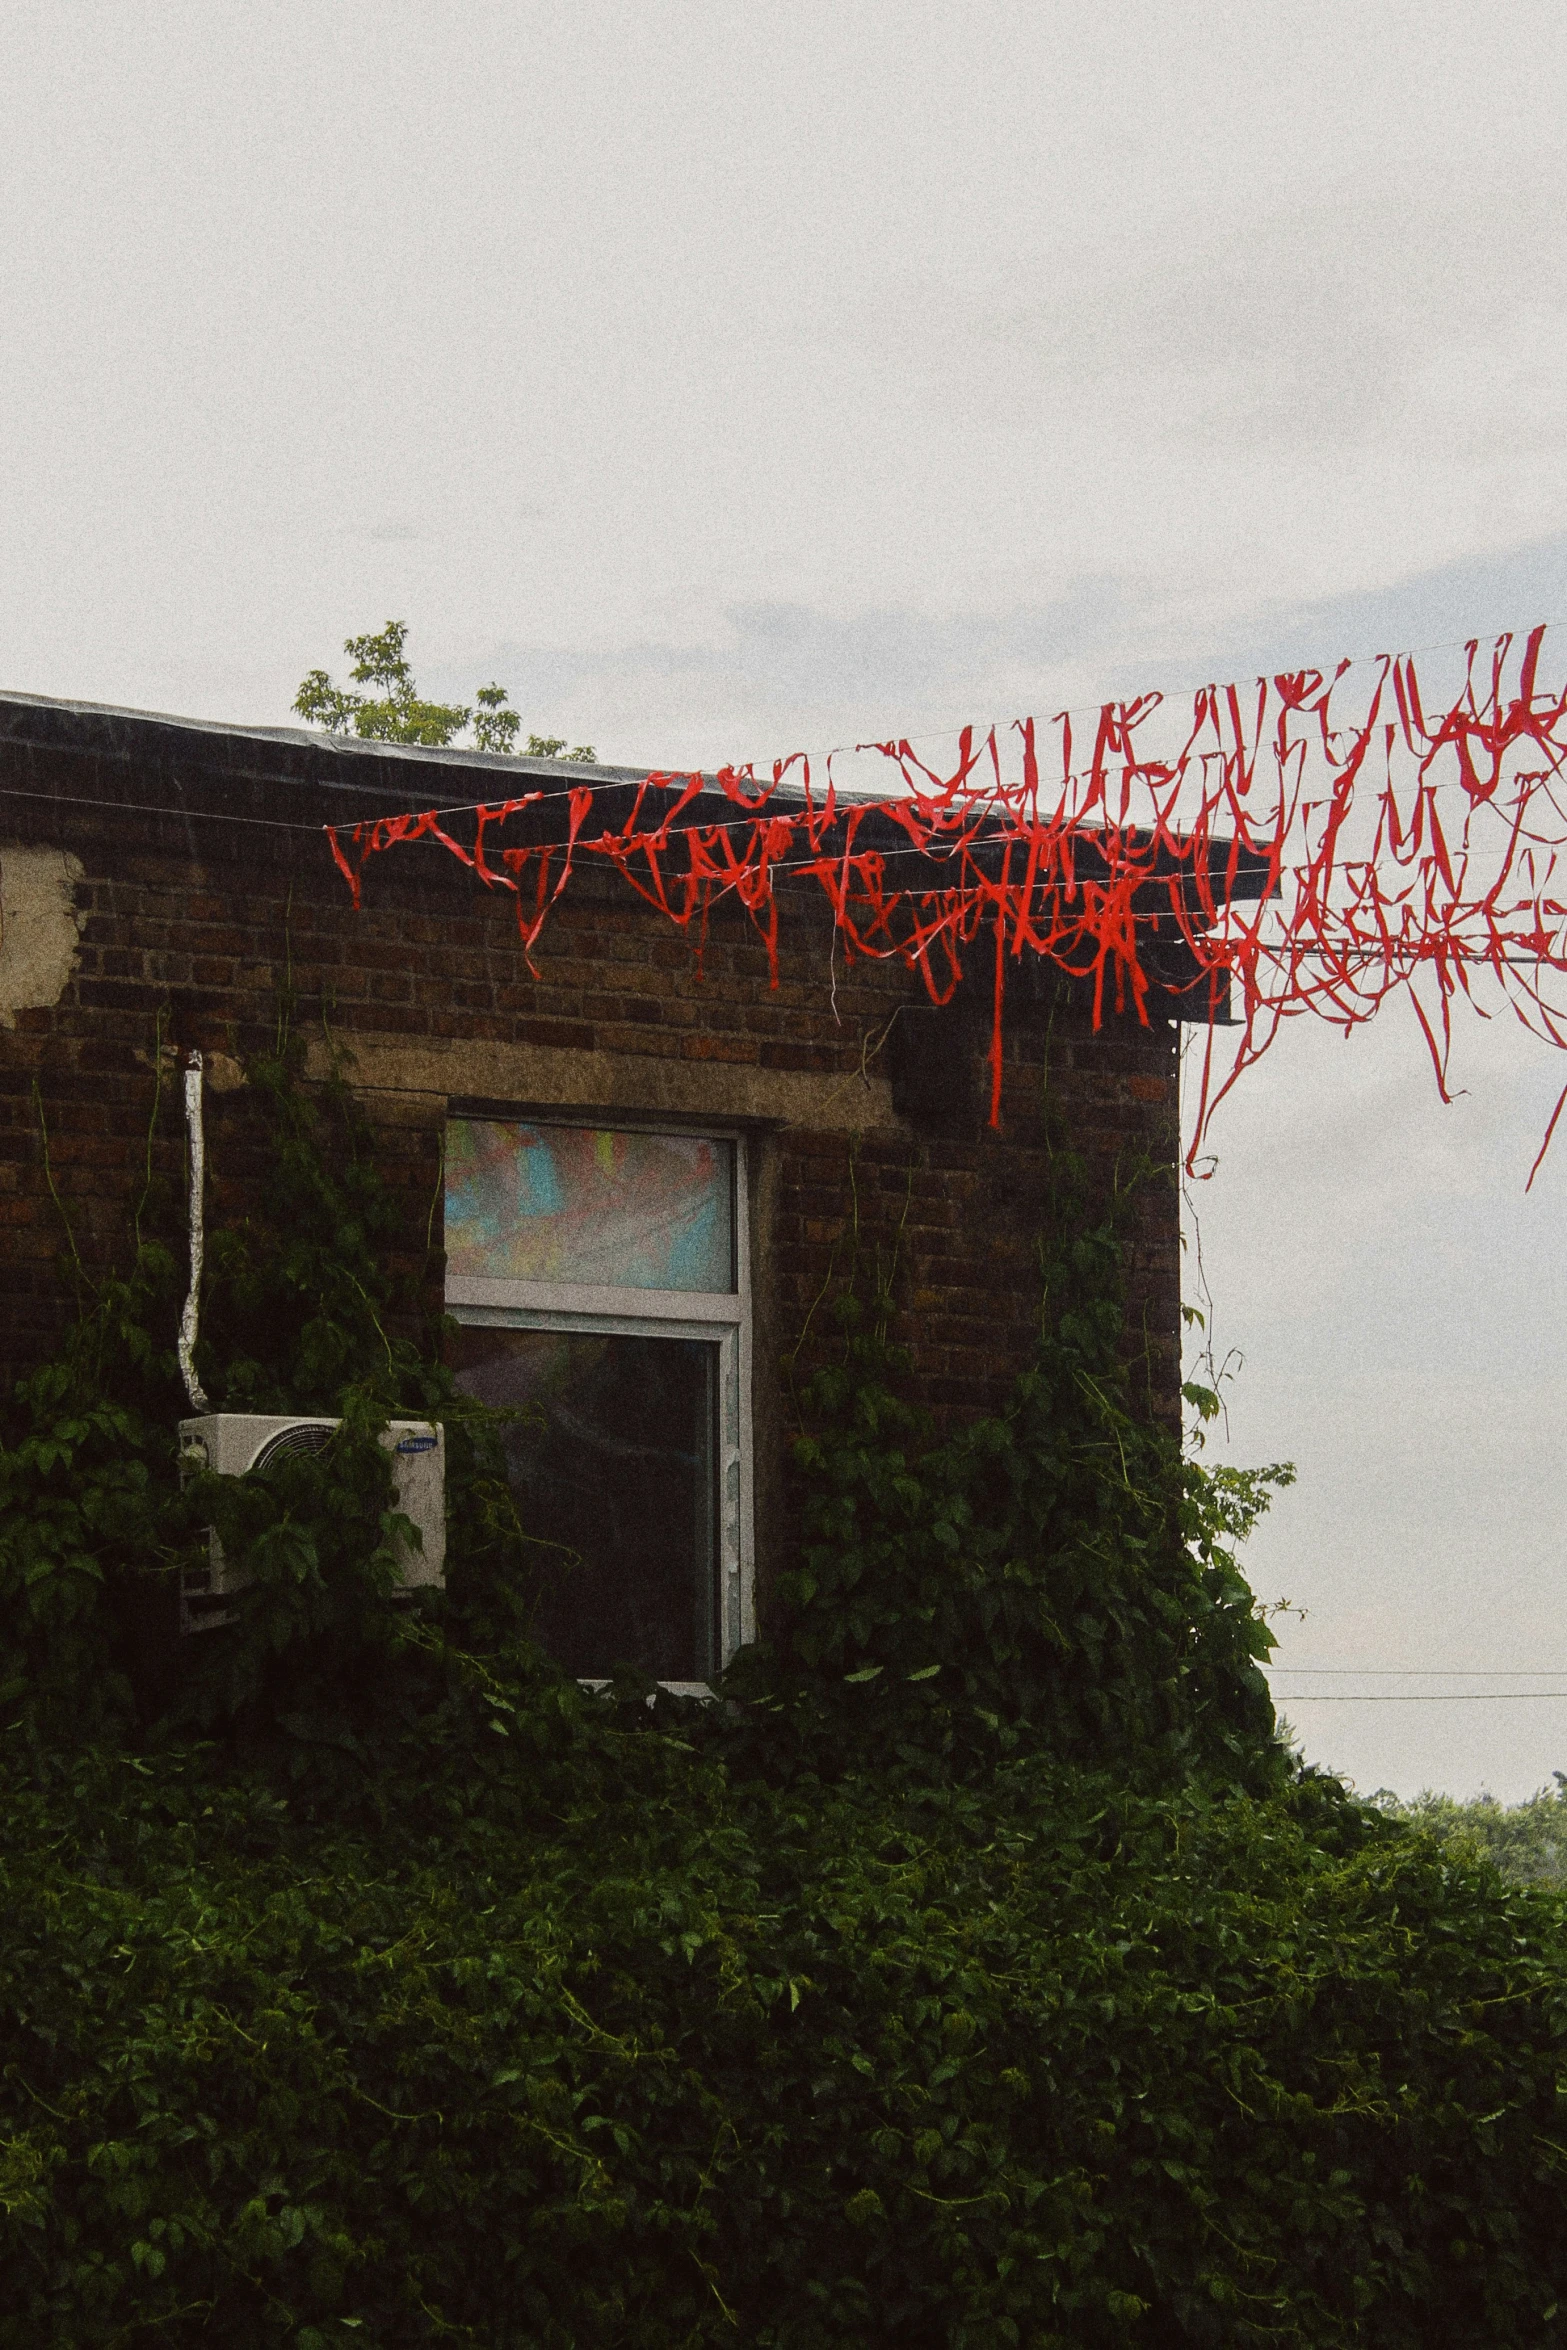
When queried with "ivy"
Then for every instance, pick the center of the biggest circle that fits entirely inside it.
(979, 1970)
(97, 1524)
(1056, 1576)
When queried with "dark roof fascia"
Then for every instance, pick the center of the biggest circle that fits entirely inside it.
(413, 776)
(223, 770)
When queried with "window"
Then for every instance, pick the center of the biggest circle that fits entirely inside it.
(599, 1279)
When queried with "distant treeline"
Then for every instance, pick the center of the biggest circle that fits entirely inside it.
(1526, 1841)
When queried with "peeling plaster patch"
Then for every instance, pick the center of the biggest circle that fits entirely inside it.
(40, 927)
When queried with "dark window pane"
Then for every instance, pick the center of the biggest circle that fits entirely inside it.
(613, 1464)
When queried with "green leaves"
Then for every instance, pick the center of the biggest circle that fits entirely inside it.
(1526, 1841)
(400, 714)
(301, 1313)
(691, 2060)
(1074, 1574)
(980, 1973)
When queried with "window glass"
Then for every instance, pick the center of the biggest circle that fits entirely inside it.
(613, 1463)
(588, 1204)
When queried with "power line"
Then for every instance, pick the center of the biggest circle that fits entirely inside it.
(1428, 1672)
(935, 852)
(1185, 693)
(11, 791)
(1425, 1697)
(792, 807)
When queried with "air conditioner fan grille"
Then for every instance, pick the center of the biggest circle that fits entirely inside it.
(308, 1436)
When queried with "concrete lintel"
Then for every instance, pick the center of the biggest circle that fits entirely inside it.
(464, 1069)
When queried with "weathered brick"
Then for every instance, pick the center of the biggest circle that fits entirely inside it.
(208, 939)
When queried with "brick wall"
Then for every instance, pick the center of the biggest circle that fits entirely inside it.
(864, 1111)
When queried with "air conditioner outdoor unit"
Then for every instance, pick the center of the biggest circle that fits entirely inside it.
(234, 1443)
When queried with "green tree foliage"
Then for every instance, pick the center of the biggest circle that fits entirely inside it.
(400, 714)
(981, 1971)
(1526, 1841)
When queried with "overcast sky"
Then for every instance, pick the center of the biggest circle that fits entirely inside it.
(728, 381)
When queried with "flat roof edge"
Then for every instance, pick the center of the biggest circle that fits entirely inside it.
(334, 745)
(499, 769)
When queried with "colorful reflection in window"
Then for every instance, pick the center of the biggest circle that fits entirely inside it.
(589, 1204)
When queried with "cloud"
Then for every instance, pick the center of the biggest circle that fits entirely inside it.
(1326, 324)
(769, 677)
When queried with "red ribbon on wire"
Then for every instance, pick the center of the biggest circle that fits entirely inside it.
(1300, 859)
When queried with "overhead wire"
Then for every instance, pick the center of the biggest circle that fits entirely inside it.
(1171, 693)
(1424, 1697)
(1422, 905)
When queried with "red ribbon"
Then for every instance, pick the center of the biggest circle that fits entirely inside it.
(1395, 852)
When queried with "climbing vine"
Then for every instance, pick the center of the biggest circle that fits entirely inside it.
(1053, 1576)
(978, 1970)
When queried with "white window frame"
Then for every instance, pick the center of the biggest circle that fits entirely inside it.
(721, 1318)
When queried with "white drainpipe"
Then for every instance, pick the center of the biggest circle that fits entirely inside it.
(198, 1170)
